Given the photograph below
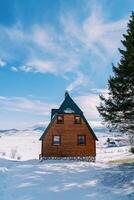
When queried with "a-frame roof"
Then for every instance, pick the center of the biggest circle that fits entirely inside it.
(67, 107)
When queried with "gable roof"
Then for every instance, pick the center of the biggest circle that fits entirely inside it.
(68, 106)
(53, 112)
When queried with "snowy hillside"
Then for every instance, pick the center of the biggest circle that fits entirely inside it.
(24, 177)
(25, 145)
(20, 145)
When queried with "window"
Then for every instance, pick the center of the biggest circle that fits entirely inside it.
(77, 119)
(81, 139)
(60, 119)
(56, 140)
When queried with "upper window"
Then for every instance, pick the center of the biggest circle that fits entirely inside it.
(60, 119)
(77, 119)
(81, 139)
(56, 140)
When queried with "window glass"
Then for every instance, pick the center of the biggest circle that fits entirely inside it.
(60, 119)
(77, 119)
(81, 139)
(56, 140)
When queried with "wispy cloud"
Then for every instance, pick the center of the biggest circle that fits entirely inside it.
(89, 101)
(14, 69)
(40, 65)
(2, 63)
(79, 80)
(25, 68)
(21, 104)
(88, 104)
(26, 106)
(78, 47)
(95, 33)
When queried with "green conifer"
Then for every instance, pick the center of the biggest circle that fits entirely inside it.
(118, 109)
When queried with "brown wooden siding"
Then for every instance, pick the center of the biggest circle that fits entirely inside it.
(69, 132)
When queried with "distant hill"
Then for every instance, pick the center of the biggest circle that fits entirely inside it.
(100, 129)
(9, 130)
(39, 128)
(15, 131)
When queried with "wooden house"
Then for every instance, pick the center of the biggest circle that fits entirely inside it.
(68, 134)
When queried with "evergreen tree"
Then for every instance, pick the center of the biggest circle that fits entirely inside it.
(117, 110)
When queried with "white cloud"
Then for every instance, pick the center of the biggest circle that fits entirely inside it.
(88, 103)
(94, 40)
(42, 66)
(43, 37)
(25, 106)
(2, 98)
(95, 33)
(26, 68)
(80, 80)
(99, 91)
(2, 63)
(21, 104)
(14, 69)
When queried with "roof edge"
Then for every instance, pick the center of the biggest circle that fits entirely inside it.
(89, 127)
(44, 133)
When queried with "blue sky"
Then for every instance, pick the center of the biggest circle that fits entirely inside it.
(48, 46)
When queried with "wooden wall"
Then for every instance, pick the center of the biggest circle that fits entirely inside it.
(69, 146)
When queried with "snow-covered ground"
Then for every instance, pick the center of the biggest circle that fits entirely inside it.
(25, 145)
(32, 180)
(21, 145)
(105, 153)
(24, 177)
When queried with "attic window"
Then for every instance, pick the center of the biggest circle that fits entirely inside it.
(81, 140)
(60, 119)
(77, 119)
(68, 110)
(56, 140)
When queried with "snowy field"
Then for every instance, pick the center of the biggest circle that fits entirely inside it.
(24, 177)
(22, 145)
